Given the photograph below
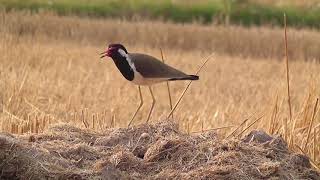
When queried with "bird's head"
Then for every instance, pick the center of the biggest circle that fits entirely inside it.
(114, 51)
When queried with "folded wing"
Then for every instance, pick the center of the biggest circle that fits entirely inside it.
(150, 67)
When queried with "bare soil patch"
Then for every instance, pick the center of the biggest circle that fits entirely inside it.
(158, 151)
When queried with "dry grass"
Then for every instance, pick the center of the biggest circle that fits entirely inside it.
(158, 151)
(254, 42)
(50, 72)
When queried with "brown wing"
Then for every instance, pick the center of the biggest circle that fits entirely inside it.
(151, 67)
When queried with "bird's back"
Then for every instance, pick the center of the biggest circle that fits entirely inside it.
(151, 67)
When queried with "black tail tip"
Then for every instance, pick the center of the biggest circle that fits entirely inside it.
(188, 77)
(194, 77)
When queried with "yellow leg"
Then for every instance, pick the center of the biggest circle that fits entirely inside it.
(152, 106)
(140, 105)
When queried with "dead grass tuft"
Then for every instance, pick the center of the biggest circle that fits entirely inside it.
(169, 154)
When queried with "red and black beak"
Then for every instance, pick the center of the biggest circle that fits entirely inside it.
(107, 53)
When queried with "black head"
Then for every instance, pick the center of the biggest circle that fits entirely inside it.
(113, 51)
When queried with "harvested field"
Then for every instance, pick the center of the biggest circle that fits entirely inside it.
(50, 73)
(157, 151)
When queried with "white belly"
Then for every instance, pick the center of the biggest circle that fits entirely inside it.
(140, 80)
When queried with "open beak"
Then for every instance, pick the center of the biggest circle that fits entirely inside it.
(104, 54)
(107, 53)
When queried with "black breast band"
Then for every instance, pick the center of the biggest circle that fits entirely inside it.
(124, 67)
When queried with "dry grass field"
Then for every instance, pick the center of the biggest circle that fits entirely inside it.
(50, 72)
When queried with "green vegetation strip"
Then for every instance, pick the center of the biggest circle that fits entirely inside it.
(217, 11)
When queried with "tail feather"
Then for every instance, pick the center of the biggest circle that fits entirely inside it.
(189, 77)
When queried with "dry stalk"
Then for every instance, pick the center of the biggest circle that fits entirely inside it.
(33, 106)
(288, 78)
(93, 121)
(36, 124)
(86, 124)
(99, 118)
(314, 144)
(185, 90)
(20, 87)
(250, 125)
(44, 121)
(306, 108)
(103, 119)
(12, 128)
(234, 131)
(202, 124)
(75, 116)
(273, 116)
(311, 122)
(243, 122)
(168, 86)
(291, 138)
(13, 116)
(113, 121)
(29, 123)
(314, 164)
(305, 111)
(19, 128)
(1, 103)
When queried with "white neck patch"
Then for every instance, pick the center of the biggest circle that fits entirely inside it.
(124, 54)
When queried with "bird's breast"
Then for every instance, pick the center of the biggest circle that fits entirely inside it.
(125, 69)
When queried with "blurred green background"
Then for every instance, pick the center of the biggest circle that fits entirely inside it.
(300, 13)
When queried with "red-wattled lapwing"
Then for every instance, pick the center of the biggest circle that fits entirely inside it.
(143, 70)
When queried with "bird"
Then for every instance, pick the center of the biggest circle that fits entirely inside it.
(143, 70)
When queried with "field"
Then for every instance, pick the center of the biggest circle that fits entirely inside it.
(50, 72)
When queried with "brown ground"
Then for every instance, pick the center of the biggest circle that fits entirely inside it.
(157, 151)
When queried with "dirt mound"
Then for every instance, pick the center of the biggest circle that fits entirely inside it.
(157, 151)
